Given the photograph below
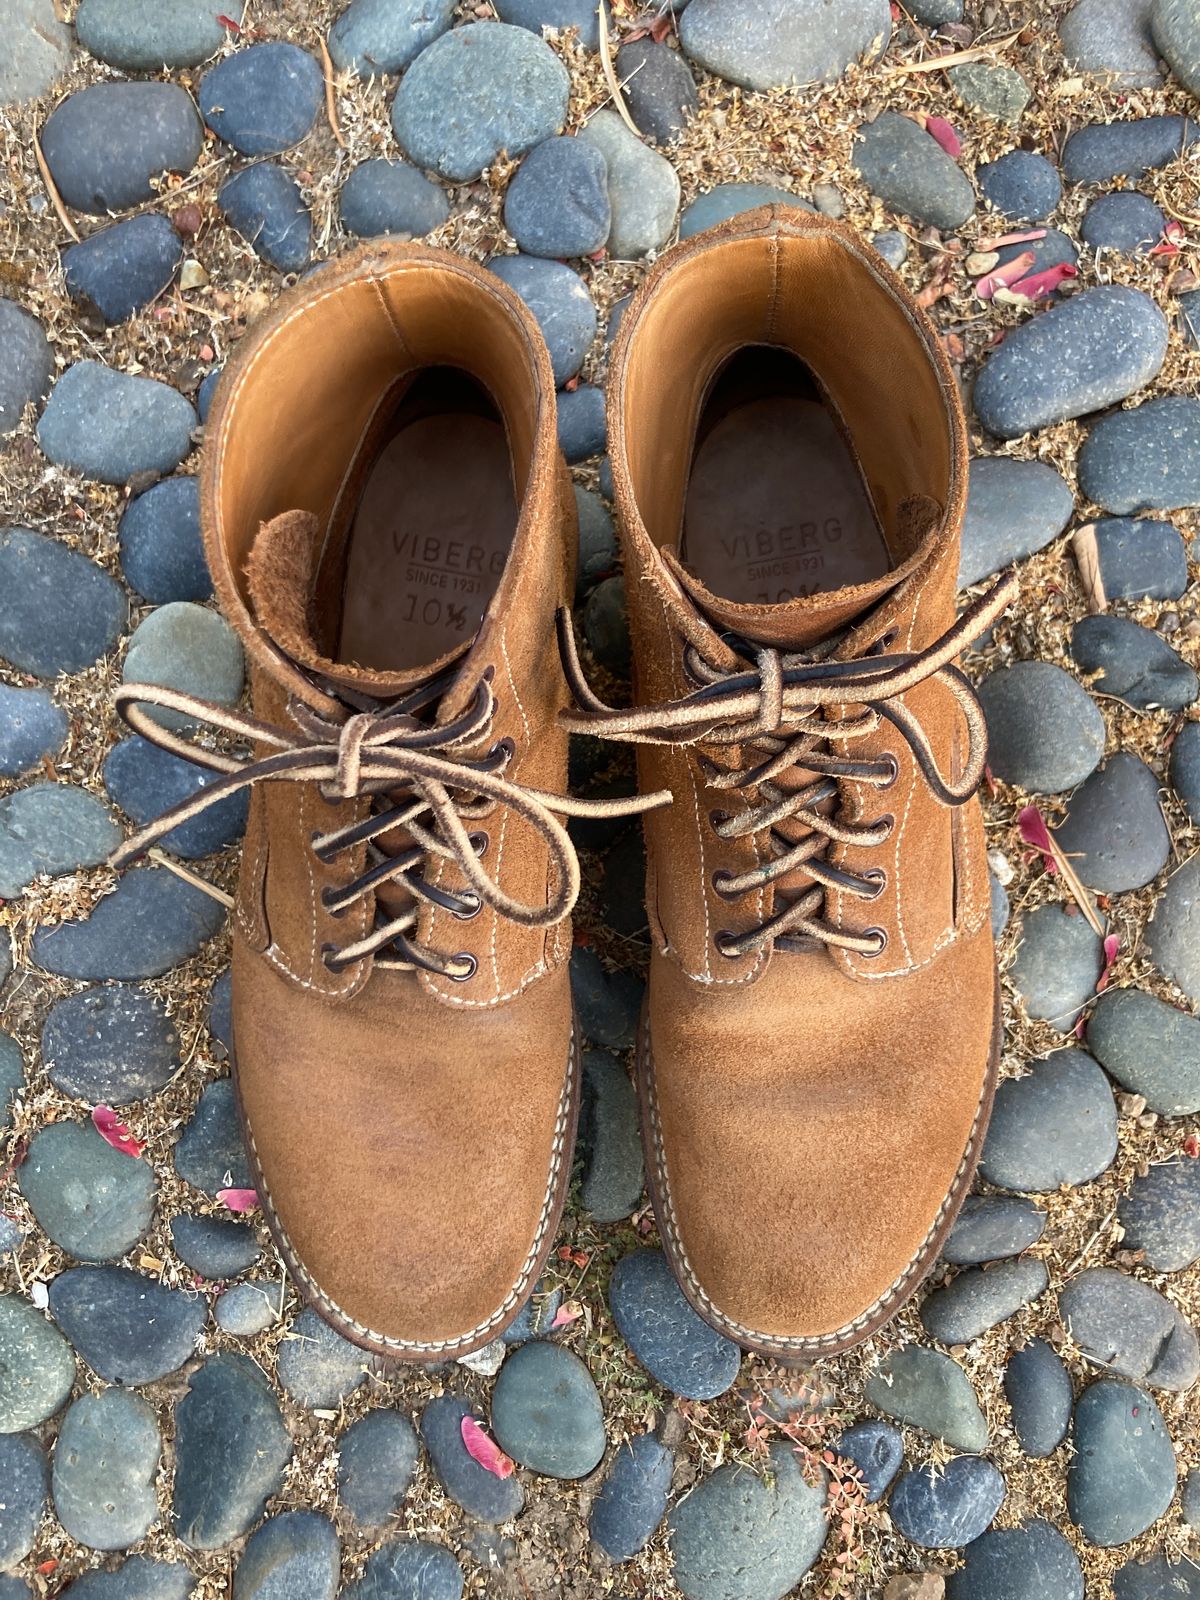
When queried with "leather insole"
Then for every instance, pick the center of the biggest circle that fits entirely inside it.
(430, 539)
(776, 503)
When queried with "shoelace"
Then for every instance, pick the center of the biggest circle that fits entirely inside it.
(422, 781)
(779, 709)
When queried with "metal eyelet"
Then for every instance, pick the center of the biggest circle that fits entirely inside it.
(505, 748)
(472, 968)
(723, 940)
(895, 770)
(887, 821)
(479, 843)
(717, 820)
(718, 880)
(878, 877)
(474, 905)
(881, 939)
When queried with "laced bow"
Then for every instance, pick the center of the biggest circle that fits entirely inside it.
(423, 778)
(782, 712)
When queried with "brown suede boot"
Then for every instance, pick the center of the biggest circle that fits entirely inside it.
(821, 1035)
(390, 529)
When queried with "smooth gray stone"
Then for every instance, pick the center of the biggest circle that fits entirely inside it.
(151, 921)
(643, 187)
(294, 1555)
(1134, 664)
(162, 550)
(613, 1175)
(106, 144)
(52, 828)
(169, 33)
(138, 1578)
(37, 48)
(930, 1391)
(546, 1412)
(561, 305)
(1101, 151)
(937, 13)
(120, 270)
(733, 200)
(1054, 249)
(381, 197)
(1058, 960)
(991, 1227)
(1081, 355)
(32, 726)
(1045, 732)
(1185, 766)
(264, 204)
(1173, 936)
(247, 1309)
(214, 1248)
(877, 1450)
(1161, 1215)
(24, 1479)
(408, 1569)
(1144, 459)
(994, 90)
(110, 1045)
(146, 781)
(1176, 28)
(1113, 831)
(999, 909)
(892, 246)
(557, 204)
(1123, 220)
(582, 428)
(129, 1328)
(37, 1366)
(61, 611)
(1014, 508)
(481, 1494)
(982, 1297)
(264, 99)
(666, 1335)
(105, 1461)
(1056, 1125)
(1140, 558)
(12, 1077)
(112, 426)
(736, 1538)
(1150, 1047)
(909, 171)
(1021, 185)
(1040, 1397)
(317, 1367)
(231, 1448)
(1122, 1476)
(1112, 38)
(1157, 1579)
(374, 37)
(1126, 1326)
(633, 1498)
(557, 14)
(944, 1508)
(210, 1153)
(1032, 1562)
(659, 88)
(93, 1201)
(186, 647)
(377, 1456)
(763, 44)
(26, 359)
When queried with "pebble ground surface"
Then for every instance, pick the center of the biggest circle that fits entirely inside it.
(172, 1422)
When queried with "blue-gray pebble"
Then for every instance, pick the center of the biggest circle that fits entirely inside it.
(731, 200)
(104, 145)
(1146, 458)
(61, 611)
(1113, 830)
(1022, 185)
(546, 1413)
(560, 14)
(382, 36)
(1100, 151)
(113, 426)
(1058, 960)
(1161, 1215)
(24, 1479)
(121, 269)
(1045, 732)
(51, 828)
(109, 1045)
(151, 921)
(877, 1450)
(31, 726)
(1139, 558)
(581, 423)
(105, 1461)
(162, 552)
(93, 1201)
(633, 1498)
(377, 1456)
(1033, 1562)
(763, 44)
(944, 1508)
(37, 1367)
(1038, 1388)
(1150, 1047)
(991, 1227)
(909, 171)
(670, 1340)
(480, 1493)
(381, 197)
(213, 1247)
(317, 1367)
(263, 99)
(210, 1153)
(129, 1328)
(560, 303)
(265, 205)
(557, 203)
(1121, 1477)
(1124, 221)
(231, 1447)
(1014, 508)
(412, 1568)
(1056, 1125)
(1133, 663)
(294, 1553)
(26, 363)
(170, 33)
(145, 781)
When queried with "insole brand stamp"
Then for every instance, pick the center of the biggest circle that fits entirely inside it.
(790, 551)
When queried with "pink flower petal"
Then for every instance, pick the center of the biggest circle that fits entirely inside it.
(999, 242)
(238, 1199)
(485, 1450)
(566, 1314)
(1005, 276)
(1112, 949)
(114, 1132)
(1031, 826)
(1037, 285)
(939, 129)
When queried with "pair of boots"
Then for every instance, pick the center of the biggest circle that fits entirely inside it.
(391, 530)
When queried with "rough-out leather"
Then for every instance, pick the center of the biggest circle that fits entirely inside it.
(411, 1134)
(812, 1118)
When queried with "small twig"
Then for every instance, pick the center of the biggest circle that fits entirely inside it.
(330, 101)
(977, 52)
(56, 200)
(1083, 1254)
(194, 878)
(610, 74)
(1078, 893)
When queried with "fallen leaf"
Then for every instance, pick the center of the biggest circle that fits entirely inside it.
(998, 243)
(114, 1132)
(485, 1450)
(1040, 285)
(238, 1199)
(1191, 1146)
(1031, 826)
(939, 129)
(1112, 949)
(1087, 559)
(570, 1311)
(1003, 277)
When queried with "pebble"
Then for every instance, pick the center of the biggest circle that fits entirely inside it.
(130, 1329)
(110, 1045)
(372, 37)
(220, 1015)
(1138, 558)
(214, 1248)
(37, 48)
(732, 200)
(937, 13)
(105, 1461)
(231, 1448)
(295, 1555)
(608, 1003)
(764, 44)
(377, 1456)
(37, 1367)
(151, 921)
(478, 90)
(1134, 664)
(606, 625)
(561, 305)
(944, 1508)
(877, 1450)
(546, 1413)
(1038, 1388)
(1101, 151)
(633, 1498)
(1058, 960)
(247, 1309)
(264, 99)
(1045, 732)
(61, 611)
(736, 1537)
(1125, 1325)
(51, 828)
(24, 1478)
(122, 269)
(557, 203)
(1121, 1477)
(1056, 1125)
(613, 1175)
(1123, 221)
(93, 1201)
(982, 1297)
(111, 426)
(995, 91)
(992, 1227)
(1032, 1562)
(172, 33)
(1055, 249)
(189, 648)
(1173, 937)
(409, 1569)
(1161, 1215)
(1021, 185)
(1078, 357)
(205, 393)
(105, 145)
(671, 1341)
(659, 88)
(582, 429)
(26, 360)
(1189, 1499)
(643, 187)
(892, 246)
(317, 1367)
(210, 1153)
(909, 171)
(1144, 459)
(1113, 829)
(536, 1316)
(264, 204)
(1185, 762)
(381, 197)
(1112, 37)
(1157, 1579)
(12, 1077)
(930, 1391)
(138, 1578)
(480, 1493)
(1150, 1047)
(1014, 508)
(145, 781)
(162, 551)
(1176, 29)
